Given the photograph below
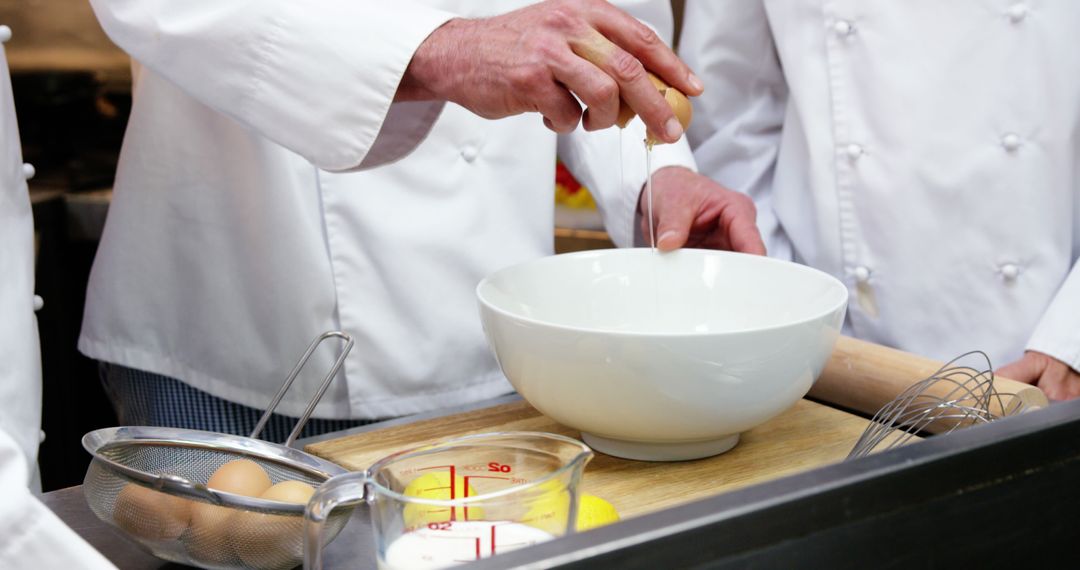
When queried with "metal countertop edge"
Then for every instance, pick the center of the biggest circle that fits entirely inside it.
(784, 491)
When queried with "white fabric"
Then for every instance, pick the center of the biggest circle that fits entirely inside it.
(930, 148)
(226, 251)
(31, 536)
(20, 355)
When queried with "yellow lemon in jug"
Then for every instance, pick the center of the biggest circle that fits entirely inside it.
(438, 486)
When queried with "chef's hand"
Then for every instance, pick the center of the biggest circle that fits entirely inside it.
(538, 57)
(690, 210)
(1057, 379)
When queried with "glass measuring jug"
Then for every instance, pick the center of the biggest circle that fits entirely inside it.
(460, 500)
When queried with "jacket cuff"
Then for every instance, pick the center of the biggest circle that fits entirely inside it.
(333, 112)
(1057, 333)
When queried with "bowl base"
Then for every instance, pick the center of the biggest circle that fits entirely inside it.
(645, 451)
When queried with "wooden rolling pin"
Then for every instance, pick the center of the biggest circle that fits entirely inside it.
(864, 376)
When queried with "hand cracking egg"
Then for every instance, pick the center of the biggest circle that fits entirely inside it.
(678, 102)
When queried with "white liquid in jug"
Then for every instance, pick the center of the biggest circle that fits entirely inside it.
(448, 543)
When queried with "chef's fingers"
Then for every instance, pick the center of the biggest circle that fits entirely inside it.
(560, 109)
(746, 238)
(641, 42)
(635, 87)
(1026, 370)
(741, 227)
(595, 88)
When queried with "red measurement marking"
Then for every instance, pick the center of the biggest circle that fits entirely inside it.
(478, 547)
(486, 477)
(498, 467)
(453, 488)
(468, 478)
(493, 540)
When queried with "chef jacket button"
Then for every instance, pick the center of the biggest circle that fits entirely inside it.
(38, 302)
(1010, 271)
(469, 153)
(1017, 13)
(862, 274)
(1010, 142)
(5, 34)
(843, 28)
(41, 436)
(28, 170)
(853, 151)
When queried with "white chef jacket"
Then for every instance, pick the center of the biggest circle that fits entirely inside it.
(226, 251)
(20, 354)
(31, 536)
(927, 153)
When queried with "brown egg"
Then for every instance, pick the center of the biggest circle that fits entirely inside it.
(273, 541)
(151, 514)
(210, 538)
(679, 103)
(242, 477)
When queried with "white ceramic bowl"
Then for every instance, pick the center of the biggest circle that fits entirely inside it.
(661, 356)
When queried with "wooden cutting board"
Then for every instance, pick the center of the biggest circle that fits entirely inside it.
(806, 436)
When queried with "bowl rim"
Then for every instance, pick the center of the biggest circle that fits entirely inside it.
(841, 305)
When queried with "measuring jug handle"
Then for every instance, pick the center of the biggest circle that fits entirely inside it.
(346, 488)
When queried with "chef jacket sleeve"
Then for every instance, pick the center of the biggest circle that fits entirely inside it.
(31, 536)
(20, 354)
(1058, 332)
(611, 163)
(316, 77)
(737, 122)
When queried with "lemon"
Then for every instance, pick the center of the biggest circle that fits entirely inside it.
(549, 511)
(437, 486)
(595, 512)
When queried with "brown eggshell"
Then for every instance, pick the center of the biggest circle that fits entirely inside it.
(267, 541)
(241, 477)
(210, 539)
(678, 102)
(151, 514)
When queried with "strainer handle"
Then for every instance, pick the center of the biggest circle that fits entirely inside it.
(318, 395)
(346, 488)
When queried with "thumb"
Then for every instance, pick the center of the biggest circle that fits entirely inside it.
(1026, 370)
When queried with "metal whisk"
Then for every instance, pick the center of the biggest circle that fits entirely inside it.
(955, 396)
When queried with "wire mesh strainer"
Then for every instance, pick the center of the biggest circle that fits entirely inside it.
(150, 482)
